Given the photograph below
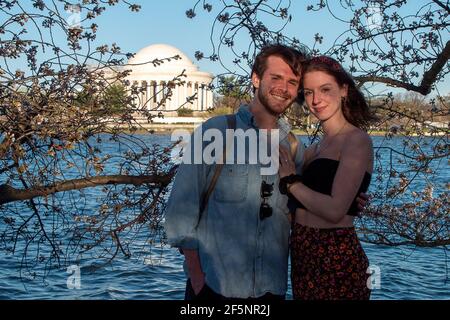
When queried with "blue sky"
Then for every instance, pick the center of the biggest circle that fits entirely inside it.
(166, 22)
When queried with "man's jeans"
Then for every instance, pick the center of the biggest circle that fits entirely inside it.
(208, 294)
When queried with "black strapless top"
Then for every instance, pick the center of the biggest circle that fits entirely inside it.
(319, 176)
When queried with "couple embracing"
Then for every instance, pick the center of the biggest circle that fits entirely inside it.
(236, 226)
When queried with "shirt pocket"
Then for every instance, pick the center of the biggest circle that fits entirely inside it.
(232, 184)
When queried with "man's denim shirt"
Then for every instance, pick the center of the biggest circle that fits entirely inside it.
(240, 255)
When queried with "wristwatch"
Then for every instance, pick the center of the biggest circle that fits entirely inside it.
(287, 182)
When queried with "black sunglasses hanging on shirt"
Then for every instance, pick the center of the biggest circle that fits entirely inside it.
(265, 209)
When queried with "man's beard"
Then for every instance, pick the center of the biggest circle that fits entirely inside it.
(264, 99)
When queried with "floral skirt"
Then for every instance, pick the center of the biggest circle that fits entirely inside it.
(328, 264)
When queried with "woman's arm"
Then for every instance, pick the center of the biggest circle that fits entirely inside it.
(355, 157)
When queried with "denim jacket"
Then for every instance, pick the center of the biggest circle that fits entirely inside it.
(241, 255)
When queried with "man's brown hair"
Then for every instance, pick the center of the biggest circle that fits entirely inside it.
(293, 58)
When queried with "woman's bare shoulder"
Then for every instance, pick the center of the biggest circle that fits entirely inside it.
(358, 143)
(358, 137)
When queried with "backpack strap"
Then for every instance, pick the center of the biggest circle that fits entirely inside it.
(231, 124)
(293, 144)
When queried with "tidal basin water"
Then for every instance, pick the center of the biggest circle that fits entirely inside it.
(404, 272)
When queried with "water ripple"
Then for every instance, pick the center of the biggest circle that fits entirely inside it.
(405, 273)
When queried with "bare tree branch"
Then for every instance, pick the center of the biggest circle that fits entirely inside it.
(10, 194)
(445, 7)
(430, 76)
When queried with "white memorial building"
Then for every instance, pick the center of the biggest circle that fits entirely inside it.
(156, 79)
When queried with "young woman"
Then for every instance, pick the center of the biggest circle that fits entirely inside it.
(327, 259)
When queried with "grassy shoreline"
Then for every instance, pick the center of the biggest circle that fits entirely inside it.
(169, 130)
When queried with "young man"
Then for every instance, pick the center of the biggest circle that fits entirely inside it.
(238, 246)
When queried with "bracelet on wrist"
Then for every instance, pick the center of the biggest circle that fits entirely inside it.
(287, 181)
